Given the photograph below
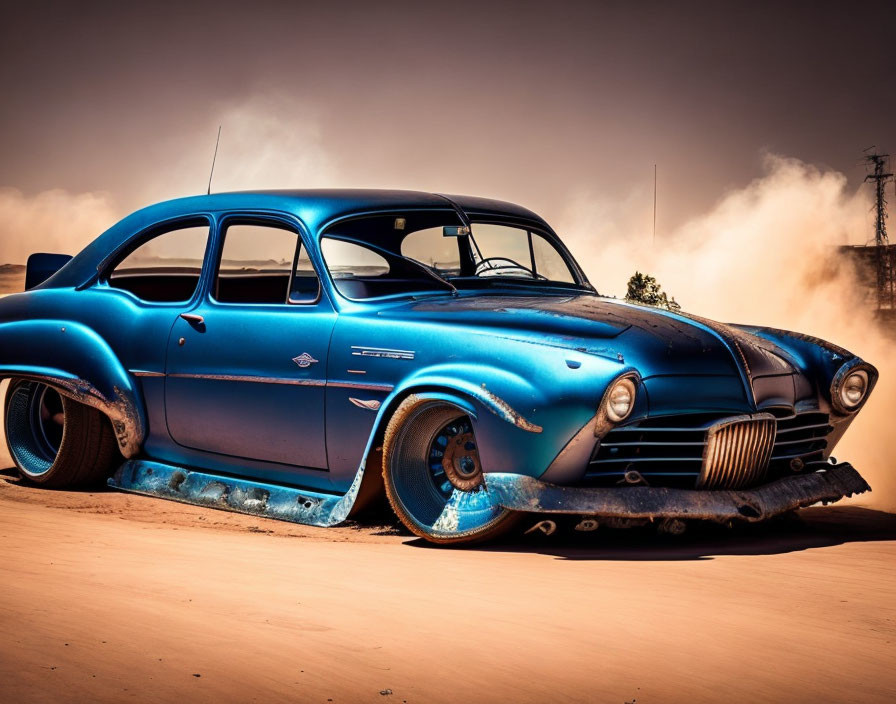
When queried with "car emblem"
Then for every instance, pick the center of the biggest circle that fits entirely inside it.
(304, 360)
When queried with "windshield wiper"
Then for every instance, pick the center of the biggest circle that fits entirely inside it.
(389, 254)
(439, 277)
(430, 272)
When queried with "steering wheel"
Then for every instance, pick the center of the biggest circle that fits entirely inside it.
(490, 266)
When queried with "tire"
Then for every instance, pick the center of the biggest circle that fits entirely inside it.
(57, 442)
(433, 478)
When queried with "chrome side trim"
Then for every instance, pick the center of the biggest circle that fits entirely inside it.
(252, 379)
(382, 352)
(366, 387)
(281, 380)
(143, 372)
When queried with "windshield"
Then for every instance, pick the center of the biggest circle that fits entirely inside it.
(420, 251)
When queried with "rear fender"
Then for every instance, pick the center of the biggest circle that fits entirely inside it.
(79, 364)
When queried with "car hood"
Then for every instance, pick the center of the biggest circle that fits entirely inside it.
(652, 340)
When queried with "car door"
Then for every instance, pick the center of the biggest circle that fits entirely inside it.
(247, 366)
(136, 298)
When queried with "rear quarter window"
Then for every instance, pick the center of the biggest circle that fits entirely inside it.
(166, 267)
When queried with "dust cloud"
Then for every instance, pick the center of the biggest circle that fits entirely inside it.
(266, 142)
(766, 255)
(51, 221)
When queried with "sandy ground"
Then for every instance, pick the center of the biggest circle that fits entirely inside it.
(108, 597)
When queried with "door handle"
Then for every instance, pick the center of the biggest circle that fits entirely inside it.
(197, 321)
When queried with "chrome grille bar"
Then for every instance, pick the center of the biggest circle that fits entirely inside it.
(737, 451)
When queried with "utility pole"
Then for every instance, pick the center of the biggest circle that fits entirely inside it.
(884, 254)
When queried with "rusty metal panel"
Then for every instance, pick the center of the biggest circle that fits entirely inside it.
(827, 483)
(235, 494)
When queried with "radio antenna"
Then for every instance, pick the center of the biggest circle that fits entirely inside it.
(214, 158)
(654, 204)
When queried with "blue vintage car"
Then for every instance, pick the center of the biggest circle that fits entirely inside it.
(292, 354)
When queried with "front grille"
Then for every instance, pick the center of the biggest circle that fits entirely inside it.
(669, 450)
(737, 452)
(802, 436)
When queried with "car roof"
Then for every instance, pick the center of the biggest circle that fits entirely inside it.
(315, 207)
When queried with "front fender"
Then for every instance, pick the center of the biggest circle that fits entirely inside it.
(468, 380)
(518, 426)
(818, 359)
(77, 362)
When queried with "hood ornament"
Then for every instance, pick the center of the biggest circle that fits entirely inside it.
(304, 360)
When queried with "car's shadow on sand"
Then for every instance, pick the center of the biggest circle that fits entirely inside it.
(816, 527)
(11, 476)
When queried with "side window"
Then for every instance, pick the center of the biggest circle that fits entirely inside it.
(548, 262)
(358, 272)
(256, 266)
(165, 268)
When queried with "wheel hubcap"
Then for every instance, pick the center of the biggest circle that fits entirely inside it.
(454, 458)
(436, 474)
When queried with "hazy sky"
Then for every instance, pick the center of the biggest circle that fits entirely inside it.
(561, 107)
(537, 102)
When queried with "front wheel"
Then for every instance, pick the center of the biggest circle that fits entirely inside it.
(54, 441)
(433, 476)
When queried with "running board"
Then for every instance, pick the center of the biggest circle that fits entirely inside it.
(231, 494)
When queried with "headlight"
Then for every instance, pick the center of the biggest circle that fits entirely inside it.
(851, 385)
(853, 389)
(620, 399)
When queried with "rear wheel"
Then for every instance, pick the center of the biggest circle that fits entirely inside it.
(55, 441)
(433, 475)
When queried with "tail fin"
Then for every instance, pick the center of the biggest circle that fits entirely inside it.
(41, 267)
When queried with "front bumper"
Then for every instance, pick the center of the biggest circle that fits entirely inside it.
(827, 484)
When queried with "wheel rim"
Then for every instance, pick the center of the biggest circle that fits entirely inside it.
(35, 425)
(437, 476)
(454, 458)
